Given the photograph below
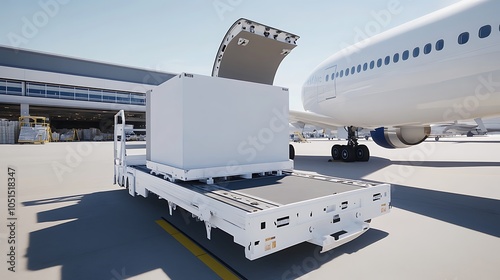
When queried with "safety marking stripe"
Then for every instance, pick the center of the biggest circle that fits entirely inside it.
(220, 269)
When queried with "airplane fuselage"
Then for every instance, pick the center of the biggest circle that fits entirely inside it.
(442, 67)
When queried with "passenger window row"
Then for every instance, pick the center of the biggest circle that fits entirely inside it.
(463, 38)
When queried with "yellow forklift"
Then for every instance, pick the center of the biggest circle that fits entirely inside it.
(34, 130)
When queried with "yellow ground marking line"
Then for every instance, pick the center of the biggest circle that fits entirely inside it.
(221, 270)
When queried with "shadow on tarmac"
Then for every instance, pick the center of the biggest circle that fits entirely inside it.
(110, 235)
(475, 213)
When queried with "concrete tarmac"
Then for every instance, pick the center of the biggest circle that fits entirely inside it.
(73, 223)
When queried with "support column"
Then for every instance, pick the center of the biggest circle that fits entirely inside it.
(25, 109)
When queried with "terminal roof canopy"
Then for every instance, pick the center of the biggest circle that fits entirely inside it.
(252, 52)
(32, 60)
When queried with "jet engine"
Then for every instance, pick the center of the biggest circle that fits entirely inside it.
(400, 137)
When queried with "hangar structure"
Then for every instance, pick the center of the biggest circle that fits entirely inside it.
(70, 91)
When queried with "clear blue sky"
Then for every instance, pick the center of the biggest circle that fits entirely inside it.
(183, 36)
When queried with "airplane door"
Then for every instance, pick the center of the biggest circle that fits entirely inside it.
(328, 88)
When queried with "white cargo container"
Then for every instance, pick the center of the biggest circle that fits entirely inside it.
(201, 127)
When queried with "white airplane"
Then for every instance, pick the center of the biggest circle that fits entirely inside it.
(439, 68)
(468, 128)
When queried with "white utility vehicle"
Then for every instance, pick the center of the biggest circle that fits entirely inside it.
(242, 183)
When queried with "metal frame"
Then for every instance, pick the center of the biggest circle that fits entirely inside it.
(208, 174)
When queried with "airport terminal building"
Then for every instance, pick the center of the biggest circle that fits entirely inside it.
(71, 92)
(82, 94)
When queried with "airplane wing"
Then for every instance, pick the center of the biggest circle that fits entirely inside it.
(452, 128)
(470, 128)
(312, 119)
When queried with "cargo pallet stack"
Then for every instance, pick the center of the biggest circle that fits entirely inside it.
(9, 131)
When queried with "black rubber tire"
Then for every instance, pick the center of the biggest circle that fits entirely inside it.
(291, 152)
(362, 153)
(336, 152)
(348, 154)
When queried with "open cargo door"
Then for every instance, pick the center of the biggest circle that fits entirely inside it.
(252, 52)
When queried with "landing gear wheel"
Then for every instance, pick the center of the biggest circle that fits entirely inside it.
(362, 153)
(347, 154)
(291, 152)
(352, 151)
(336, 152)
